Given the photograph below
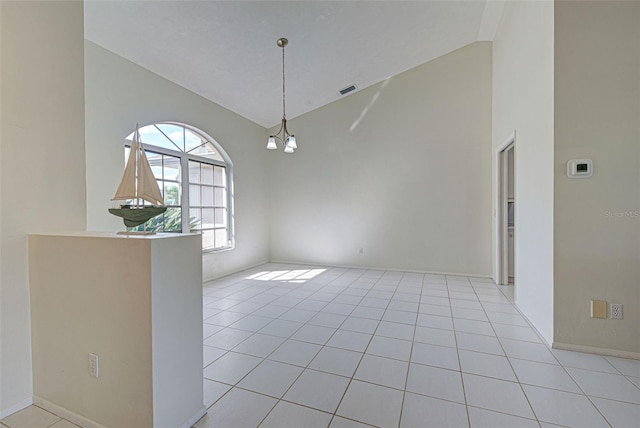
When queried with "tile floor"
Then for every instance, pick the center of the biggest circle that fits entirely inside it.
(299, 346)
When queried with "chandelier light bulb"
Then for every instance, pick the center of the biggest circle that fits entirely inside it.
(271, 145)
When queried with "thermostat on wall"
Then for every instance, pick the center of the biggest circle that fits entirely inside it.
(580, 168)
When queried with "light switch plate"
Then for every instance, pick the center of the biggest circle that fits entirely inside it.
(598, 309)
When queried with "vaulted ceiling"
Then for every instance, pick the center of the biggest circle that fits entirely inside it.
(226, 51)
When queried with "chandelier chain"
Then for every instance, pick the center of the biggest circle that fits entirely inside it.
(283, 93)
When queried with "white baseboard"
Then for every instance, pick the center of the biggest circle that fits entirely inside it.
(336, 265)
(195, 418)
(594, 350)
(16, 408)
(65, 414)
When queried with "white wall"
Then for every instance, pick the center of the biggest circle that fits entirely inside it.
(43, 167)
(401, 169)
(597, 220)
(523, 101)
(120, 94)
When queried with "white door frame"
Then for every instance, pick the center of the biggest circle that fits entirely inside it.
(500, 208)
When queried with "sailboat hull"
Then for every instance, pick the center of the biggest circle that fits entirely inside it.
(133, 217)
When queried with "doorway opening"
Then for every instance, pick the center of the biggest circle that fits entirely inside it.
(506, 209)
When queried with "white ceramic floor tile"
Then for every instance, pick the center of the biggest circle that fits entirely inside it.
(435, 336)
(489, 365)
(271, 378)
(373, 302)
(319, 390)
(606, 385)
(618, 414)
(372, 404)
(473, 326)
(325, 319)
(338, 308)
(281, 328)
(395, 330)
(563, 408)
(348, 299)
(337, 361)
(500, 307)
(209, 329)
(231, 367)
(482, 418)
(295, 352)
(223, 304)
(430, 291)
(625, 366)
(340, 422)
(433, 355)
(466, 304)
(424, 412)
(237, 409)
(470, 314)
(213, 391)
(435, 382)
(434, 300)
(544, 375)
(245, 307)
(382, 371)
(433, 309)
(634, 380)
(390, 348)
(435, 321)
(402, 317)
(311, 305)
(224, 318)
(368, 312)
(251, 323)
(528, 351)
(297, 315)
(63, 423)
(351, 340)
(401, 305)
(292, 415)
(479, 343)
(498, 395)
(31, 417)
(259, 345)
(314, 334)
(227, 338)
(511, 319)
(584, 361)
(210, 354)
(361, 325)
(516, 332)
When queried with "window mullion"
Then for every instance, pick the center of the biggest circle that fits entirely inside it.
(184, 198)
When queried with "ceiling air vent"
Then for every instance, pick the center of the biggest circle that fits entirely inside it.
(348, 89)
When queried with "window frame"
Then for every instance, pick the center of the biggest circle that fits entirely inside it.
(185, 157)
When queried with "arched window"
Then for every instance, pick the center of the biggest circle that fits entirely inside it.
(195, 176)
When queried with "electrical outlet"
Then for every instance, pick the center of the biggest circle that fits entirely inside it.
(616, 311)
(93, 365)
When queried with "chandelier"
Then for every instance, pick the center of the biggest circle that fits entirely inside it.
(286, 139)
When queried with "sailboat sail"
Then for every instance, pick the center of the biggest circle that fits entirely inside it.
(147, 185)
(138, 182)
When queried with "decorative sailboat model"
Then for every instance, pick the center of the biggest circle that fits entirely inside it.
(138, 185)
